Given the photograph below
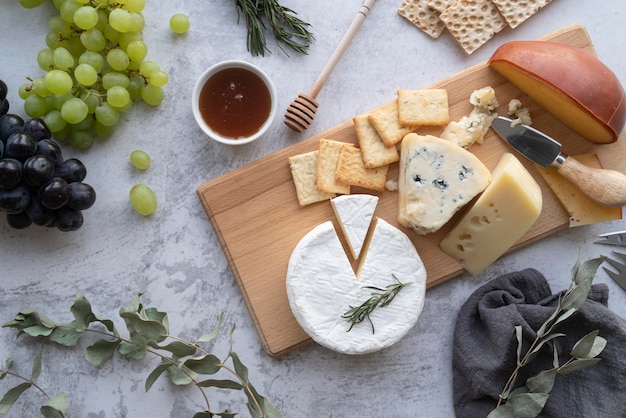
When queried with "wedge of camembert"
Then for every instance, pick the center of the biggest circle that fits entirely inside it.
(322, 286)
(436, 179)
(502, 214)
(355, 213)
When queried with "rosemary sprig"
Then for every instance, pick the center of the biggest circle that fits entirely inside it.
(358, 314)
(286, 27)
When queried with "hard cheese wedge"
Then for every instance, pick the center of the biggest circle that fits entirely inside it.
(502, 214)
(581, 209)
(355, 213)
(436, 179)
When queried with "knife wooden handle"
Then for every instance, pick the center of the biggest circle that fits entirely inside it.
(605, 187)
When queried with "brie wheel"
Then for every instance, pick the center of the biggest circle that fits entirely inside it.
(322, 286)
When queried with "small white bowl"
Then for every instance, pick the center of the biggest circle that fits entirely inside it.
(195, 105)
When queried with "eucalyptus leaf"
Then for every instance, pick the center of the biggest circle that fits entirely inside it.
(562, 316)
(101, 351)
(577, 364)
(59, 403)
(179, 349)
(210, 336)
(203, 414)
(207, 364)
(587, 270)
(135, 351)
(528, 405)
(578, 295)
(545, 340)
(181, 376)
(156, 373)
(149, 329)
(503, 411)
(12, 396)
(220, 383)
(50, 412)
(543, 382)
(43, 320)
(587, 347)
(38, 331)
(66, 335)
(81, 309)
(36, 369)
(154, 314)
(240, 369)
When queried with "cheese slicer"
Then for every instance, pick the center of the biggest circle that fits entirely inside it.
(302, 110)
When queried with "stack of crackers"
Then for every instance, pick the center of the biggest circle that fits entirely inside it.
(336, 166)
(471, 22)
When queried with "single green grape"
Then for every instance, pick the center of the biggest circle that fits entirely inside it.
(55, 121)
(67, 10)
(85, 17)
(120, 20)
(143, 199)
(140, 159)
(152, 95)
(74, 110)
(125, 39)
(45, 59)
(35, 106)
(53, 40)
(103, 131)
(137, 50)
(179, 23)
(58, 82)
(93, 39)
(29, 4)
(146, 68)
(81, 138)
(106, 114)
(92, 58)
(56, 101)
(118, 96)
(135, 5)
(158, 78)
(137, 22)
(63, 59)
(91, 97)
(85, 74)
(115, 78)
(117, 59)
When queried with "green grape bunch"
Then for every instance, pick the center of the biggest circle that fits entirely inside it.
(95, 68)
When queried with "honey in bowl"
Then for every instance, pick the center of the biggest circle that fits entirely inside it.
(235, 102)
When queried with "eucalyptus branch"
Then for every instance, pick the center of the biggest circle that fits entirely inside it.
(185, 362)
(55, 407)
(358, 314)
(529, 400)
(286, 27)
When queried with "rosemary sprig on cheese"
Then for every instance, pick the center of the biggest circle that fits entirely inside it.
(358, 314)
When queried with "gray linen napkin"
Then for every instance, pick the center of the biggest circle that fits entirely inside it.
(484, 349)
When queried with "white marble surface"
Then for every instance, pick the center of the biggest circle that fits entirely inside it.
(174, 256)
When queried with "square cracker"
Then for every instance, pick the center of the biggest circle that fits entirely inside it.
(327, 160)
(473, 22)
(423, 17)
(515, 12)
(423, 107)
(374, 151)
(352, 170)
(304, 172)
(385, 121)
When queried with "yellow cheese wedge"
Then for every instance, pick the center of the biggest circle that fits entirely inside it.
(581, 209)
(502, 214)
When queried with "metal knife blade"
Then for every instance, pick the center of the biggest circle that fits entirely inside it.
(605, 187)
(531, 143)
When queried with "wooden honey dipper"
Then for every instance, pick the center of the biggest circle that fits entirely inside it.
(301, 111)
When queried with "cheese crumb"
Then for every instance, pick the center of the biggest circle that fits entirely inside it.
(472, 129)
(521, 113)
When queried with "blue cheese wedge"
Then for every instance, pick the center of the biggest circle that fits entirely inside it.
(355, 213)
(322, 286)
(436, 179)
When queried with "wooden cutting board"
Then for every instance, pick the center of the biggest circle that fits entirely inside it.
(257, 219)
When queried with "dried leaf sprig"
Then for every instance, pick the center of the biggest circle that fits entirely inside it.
(186, 362)
(529, 400)
(286, 27)
(358, 314)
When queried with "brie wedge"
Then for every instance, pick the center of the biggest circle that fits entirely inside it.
(355, 213)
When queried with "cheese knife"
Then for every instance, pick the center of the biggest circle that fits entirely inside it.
(605, 187)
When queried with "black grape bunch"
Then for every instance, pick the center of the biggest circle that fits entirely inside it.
(37, 185)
